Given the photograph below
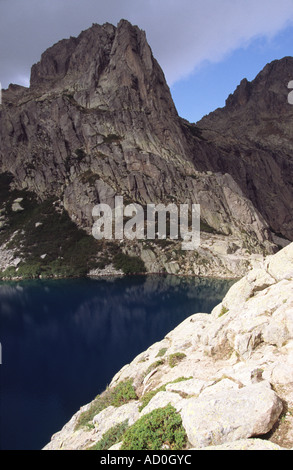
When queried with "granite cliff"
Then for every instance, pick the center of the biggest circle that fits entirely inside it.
(225, 379)
(254, 132)
(98, 120)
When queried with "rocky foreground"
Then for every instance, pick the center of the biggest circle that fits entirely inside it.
(228, 374)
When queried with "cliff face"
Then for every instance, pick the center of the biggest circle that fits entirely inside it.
(98, 120)
(228, 375)
(97, 103)
(254, 134)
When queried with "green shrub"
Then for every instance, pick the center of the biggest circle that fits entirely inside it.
(181, 379)
(175, 358)
(146, 398)
(123, 393)
(154, 365)
(129, 264)
(162, 352)
(117, 396)
(161, 427)
(9, 273)
(111, 437)
(29, 270)
(223, 311)
(89, 177)
(41, 230)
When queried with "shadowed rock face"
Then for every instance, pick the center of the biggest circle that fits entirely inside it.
(254, 135)
(98, 120)
(98, 114)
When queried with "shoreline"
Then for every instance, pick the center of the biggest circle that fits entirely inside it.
(101, 276)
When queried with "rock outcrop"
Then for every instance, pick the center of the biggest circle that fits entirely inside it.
(228, 374)
(254, 134)
(98, 120)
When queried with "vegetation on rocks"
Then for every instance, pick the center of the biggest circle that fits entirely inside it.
(117, 396)
(146, 398)
(43, 236)
(160, 429)
(239, 391)
(162, 352)
(48, 243)
(111, 437)
(129, 264)
(175, 358)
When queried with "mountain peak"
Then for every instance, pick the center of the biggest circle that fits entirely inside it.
(58, 61)
(99, 121)
(104, 63)
(268, 91)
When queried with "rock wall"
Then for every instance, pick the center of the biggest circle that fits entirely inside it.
(98, 120)
(254, 133)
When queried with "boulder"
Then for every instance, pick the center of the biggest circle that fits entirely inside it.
(245, 444)
(111, 416)
(280, 266)
(231, 415)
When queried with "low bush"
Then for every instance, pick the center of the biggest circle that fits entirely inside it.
(29, 271)
(160, 429)
(154, 365)
(162, 352)
(175, 358)
(8, 273)
(223, 311)
(111, 437)
(129, 264)
(117, 396)
(146, 398)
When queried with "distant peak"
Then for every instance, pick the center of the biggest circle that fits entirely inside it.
(241, 94)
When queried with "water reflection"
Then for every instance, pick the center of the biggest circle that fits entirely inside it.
(63, 341)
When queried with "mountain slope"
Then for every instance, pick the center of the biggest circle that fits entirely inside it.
(254, 133)
(227, 376)
(98, 121)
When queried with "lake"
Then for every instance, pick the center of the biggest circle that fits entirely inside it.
(63, 341)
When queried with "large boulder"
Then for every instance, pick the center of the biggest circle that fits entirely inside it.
(230, 415)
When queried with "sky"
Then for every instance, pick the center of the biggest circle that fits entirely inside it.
(205, 47)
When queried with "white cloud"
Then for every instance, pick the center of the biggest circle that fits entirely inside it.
(187, 33)
(183, 33)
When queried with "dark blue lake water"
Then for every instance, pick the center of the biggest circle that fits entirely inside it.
(62, 342)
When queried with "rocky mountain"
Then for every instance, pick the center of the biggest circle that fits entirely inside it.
(98, 121)
(225, 379)
(254, 135)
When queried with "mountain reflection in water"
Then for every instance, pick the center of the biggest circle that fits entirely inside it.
(62, 342)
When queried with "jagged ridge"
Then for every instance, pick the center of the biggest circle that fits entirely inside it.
(98, 120)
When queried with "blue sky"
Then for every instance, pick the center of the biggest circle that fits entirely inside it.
(210, 85)
(205, 47)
